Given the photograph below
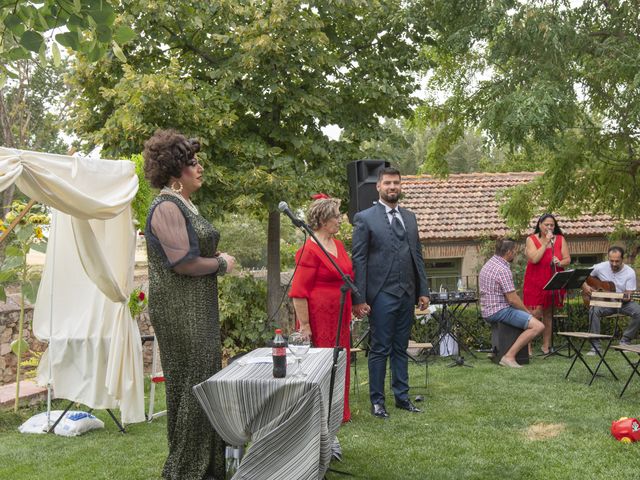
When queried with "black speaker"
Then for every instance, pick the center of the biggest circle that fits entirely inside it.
(362, 176)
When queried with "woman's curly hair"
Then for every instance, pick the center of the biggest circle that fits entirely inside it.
(165, 154)
(321, 211)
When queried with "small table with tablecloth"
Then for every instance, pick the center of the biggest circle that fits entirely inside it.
(284, 420)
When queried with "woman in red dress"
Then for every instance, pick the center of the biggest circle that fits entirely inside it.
(547, 252)
(316, 284)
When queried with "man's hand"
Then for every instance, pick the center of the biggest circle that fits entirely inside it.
(423, 303)
(361, 310)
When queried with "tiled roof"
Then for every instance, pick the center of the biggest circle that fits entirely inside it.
(464, 207)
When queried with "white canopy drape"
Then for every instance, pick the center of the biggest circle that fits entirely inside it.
(94, 351)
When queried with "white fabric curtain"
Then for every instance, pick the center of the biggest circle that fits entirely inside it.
(95, 352)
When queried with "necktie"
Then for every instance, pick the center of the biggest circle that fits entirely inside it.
(396, 226)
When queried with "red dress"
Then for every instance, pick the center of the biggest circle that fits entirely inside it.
(538, 274)
(317, 280)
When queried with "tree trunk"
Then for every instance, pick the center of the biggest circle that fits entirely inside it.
(274, 292)
(5, 123)
(6, 197)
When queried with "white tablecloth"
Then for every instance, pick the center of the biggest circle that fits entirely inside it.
(283, 419)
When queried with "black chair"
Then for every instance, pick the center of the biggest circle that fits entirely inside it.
(503, 337)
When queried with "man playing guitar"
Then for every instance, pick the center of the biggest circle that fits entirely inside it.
(623, 277)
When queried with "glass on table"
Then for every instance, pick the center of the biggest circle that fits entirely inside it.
(299, 344)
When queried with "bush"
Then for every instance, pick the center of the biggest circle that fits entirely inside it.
(144, 195)
(243, 314)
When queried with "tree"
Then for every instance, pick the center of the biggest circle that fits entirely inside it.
(29, 29)
(256, 81)
(553, 82)
(30, 115)
(31, 108)
(405, 145)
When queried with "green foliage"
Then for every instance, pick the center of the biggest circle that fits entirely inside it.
(245, 237)
(28, 233)
(28, 29)
(32, 108)
(257, 89)
(554, 84)
(243, 313)
(30, 364)
(396, 145)
(137, 302)
(144, 196)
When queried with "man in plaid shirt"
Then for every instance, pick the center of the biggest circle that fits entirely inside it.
(500, 303)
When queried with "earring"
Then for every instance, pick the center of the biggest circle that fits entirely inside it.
(178, 189)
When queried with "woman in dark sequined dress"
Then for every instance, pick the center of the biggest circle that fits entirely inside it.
(184, 266)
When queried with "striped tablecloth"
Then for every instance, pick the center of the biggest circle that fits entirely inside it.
(283, 419)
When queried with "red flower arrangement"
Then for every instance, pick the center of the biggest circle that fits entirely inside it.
(137, 302)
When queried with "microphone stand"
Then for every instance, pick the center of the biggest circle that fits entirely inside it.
(554, 292)
(347, 284)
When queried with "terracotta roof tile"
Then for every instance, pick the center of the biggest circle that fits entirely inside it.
(464, 206)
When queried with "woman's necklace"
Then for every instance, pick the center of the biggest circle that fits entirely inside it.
(187, 203)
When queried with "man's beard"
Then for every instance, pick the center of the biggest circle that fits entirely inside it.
(390, 197)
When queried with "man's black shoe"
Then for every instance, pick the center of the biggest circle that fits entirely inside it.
(378, 410)
(408, 406)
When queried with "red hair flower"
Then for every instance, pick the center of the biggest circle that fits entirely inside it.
(318, 196)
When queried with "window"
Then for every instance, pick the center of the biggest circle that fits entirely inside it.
(444, 273)
(587, 260)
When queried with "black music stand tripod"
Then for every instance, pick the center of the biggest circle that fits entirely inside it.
(566, 280)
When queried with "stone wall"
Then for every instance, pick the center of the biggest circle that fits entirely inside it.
(9, 318)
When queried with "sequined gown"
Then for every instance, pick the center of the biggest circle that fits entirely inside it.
(184, 313)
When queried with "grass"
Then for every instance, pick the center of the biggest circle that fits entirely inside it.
(477, 424)
(99, 454)
(477, 421)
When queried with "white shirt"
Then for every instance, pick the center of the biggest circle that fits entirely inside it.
(624, 279)
(388, 209)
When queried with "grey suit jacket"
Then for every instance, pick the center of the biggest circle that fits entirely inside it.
(372, 249)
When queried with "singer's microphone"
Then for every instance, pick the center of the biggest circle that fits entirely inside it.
(284, 208)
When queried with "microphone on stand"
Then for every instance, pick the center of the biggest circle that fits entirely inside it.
(284, 208)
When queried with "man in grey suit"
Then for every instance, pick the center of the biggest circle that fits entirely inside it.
(391, 279)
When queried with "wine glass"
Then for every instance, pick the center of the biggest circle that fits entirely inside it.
(299, 344)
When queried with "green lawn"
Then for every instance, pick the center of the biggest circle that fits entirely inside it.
(476, 425)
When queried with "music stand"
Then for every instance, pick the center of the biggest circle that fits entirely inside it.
(566, 280)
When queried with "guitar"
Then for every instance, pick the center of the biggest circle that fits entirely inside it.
(606, 286)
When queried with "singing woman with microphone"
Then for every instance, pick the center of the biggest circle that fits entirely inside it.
(547, 253)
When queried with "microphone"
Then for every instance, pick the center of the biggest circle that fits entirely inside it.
(284, 208)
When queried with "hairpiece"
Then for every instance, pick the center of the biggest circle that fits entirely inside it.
(318, 196)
